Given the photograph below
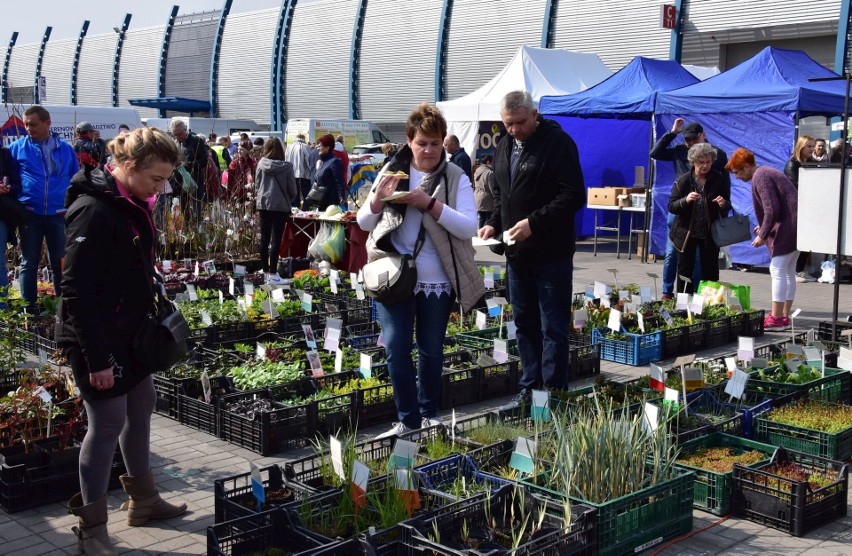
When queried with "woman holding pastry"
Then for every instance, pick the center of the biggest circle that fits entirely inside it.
(423, 206)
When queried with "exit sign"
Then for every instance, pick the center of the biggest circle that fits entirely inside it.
(668, 16)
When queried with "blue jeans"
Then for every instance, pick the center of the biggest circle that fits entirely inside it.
(4, 237)
(398, 325)
(541, 302)
(38, 229)
(670, 262)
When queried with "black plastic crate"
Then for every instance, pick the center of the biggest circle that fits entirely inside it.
(718, 332)
(362, 336)
(579, 538)
(460, 386)
(255, 534)
(341, 411)
(375, 405)
(674, 341)
(193, 411)
(788, 505)
(269, 431)
(825, 331)
(738, 326)
(233, 496)
(755, 323)
(696, 337)
(704, 402)
(583, 362)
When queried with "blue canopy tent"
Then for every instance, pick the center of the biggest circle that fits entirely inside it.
(611, 122)
(756, 105)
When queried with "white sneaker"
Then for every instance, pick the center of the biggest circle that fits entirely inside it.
(396, 430)
(273, 279)
(803, 277)
(427, 422)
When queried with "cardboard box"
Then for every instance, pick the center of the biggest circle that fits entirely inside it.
(605, 196)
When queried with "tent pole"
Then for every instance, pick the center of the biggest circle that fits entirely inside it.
(840, 209)
(649, 197)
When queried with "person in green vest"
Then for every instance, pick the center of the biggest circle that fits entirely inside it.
(223, 157)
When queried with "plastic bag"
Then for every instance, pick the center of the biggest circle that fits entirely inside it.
(315, 246)
(742, 293)
(188, 184)
(334, 247)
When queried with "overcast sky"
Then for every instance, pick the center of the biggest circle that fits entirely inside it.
(29, 18)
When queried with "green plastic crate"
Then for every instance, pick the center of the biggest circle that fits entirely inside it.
(638, 521)
(833, 387)
(712, 491)
(834, 446)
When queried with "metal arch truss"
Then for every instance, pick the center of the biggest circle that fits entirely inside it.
(214, 61)
(75, 65)
(548, 28)
(277, 85)
(441, 53)
(4, 83)
(164, 55)
(355, 62)
(39, 60)
(116, 63)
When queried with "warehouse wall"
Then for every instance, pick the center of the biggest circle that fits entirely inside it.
(137, 77)
(56, 69)
(21, 74)
(94, 83)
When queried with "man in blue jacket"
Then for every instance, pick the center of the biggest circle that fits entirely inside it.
(46, 165)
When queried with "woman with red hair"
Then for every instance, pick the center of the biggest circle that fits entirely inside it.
(775, 207)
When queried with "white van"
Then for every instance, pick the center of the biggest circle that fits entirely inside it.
(206, 126)
(64, 120)
(355, 132)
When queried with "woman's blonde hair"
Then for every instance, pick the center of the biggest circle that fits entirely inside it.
(143, 147)
(800, 146)
(426, 119)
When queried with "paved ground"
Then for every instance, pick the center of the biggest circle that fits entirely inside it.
(187, 462)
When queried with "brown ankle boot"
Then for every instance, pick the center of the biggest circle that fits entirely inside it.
(145, 502)
(92, 536)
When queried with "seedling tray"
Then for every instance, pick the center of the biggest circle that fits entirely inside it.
(835, 446)
(194, 412)
(255, 534)
(833, 387)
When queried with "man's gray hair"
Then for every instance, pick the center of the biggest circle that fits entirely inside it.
(700, 150)
(176, 125)
(517, 100)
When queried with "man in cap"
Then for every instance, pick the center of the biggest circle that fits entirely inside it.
(693, 133)
(86, 146)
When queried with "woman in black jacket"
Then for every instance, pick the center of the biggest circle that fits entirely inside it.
(802, 154)
(107, 281)
(10, 184)
(328, 188)
(698, 198)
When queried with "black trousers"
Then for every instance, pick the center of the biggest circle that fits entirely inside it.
(271, 230)
(686, 262)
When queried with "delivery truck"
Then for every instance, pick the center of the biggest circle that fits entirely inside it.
(355, 132)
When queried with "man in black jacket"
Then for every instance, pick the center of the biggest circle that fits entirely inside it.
(538, 187)
(458, 156)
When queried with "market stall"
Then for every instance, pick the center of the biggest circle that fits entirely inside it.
(304, 227)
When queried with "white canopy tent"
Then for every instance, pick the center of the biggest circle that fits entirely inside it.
(541, 71)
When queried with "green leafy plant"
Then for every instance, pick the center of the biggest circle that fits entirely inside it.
(814, 415)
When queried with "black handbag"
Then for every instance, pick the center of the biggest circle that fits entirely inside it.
(317, 193)
(12, 211)
(160, 341)
(729, 230)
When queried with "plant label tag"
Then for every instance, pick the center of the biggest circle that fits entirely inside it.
(257, 486)
(623, 294)
(844, 359)
(43, 394)
(630, 307)
(332, 340)
(205, 318)
(641, 318)
(590, 292)
(269, 308)
(338, 361)
(359, 292)
(581, 317)
(666, 317)
(206, 388)
(278, 295)
(812, 355)
(241, 306)
(310, 339)
(511, 330)
(637, 299)
(481, 319)
(601, 290)
(606, 302)
(336, 450)
(307, 302)
(403, 455)
(745, 355)
(360, 276)
(672, 396)
(167, 266)
(333, 323)
(657, 380)
(365, 366)
(494, 309)
(731, 364)
(333, 285)
(652, 416)
(380, 341)
(645, 293)
(334, 276)
(316, 364)
(42, 357)
(734, 303)
(406, 483)
(501, 351)
(540, 410)
(197, 270)
(683, 360)
(260, 351)
(485, 360)
(360, 478)
(453, 426)
(682, 302)
(488, 279)
(614, 322)
(232, 286)
(696, 305)
(759, 362)
(221, 297)
(248, 299)
(522, 457)
(209, 267)
(795, 313)
(745, 343)
(794, 350)
(792, 365)
(353, 280)
(193, 293)
(239, 270)
(736, 385)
